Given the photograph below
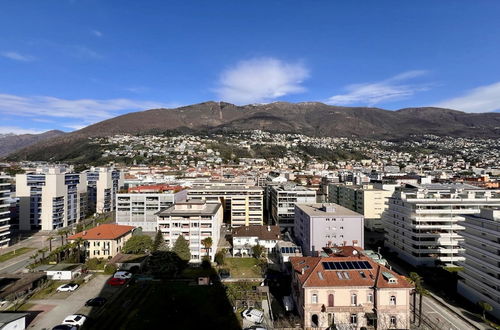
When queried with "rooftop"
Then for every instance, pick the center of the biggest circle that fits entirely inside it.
(262, 232)
(190, 208)
(105, 231)
(326, 209)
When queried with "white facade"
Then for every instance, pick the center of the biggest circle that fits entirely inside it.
(4, 210)
(139, 209)
(50, 198)
(103, 185)
(423, 223)
(480, 278)
(195, 221)
(283, 199)
(245, 238)
(242, 204)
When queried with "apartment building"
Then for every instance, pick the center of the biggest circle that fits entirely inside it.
(423, 223)
(365, 199)
(242, 204)
(195, 220)
(104, 241)
(347, 290)
(103, 185)
(283, 199)
(324, 225)
(51, 198)
(140, 209)
(480, 278)
(5, 191)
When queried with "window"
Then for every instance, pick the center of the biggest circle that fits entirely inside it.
(354, 299)
(314, 299)
(354, 318)
(369, 298)
(392, 300)
(330, 300)
(393, 321)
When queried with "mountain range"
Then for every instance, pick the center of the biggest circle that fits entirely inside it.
(309, 118)
(13, 142)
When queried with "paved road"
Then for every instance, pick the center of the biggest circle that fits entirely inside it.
(60, 305)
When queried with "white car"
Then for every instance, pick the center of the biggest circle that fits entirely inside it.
(75, 319)
(123, 275)
(254, 315)
(67, 287)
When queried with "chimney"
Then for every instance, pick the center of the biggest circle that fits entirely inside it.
(84, 233)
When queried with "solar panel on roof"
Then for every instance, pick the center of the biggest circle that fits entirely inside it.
(367, 265)
(343, 265)
(326, 265)
(356, 265)
(349, 265)
(346, 265)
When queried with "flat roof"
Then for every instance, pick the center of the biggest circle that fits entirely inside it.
(316, 209)
(229, 187)
(210, 209)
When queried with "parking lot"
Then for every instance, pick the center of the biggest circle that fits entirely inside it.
(51, 310)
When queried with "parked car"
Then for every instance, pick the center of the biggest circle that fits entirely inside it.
(98, 301)
(75, 319)
(224, 273)
(288, 303)
(67, 287)
(65, 327)
(116, 281)
(253, 315)
(123, 275)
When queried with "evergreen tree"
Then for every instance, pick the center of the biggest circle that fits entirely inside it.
(181, 248)
(138, 244)
(159, 242)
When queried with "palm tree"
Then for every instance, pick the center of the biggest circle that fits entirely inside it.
(60, 232)
(207, 243)
(485, 307)
(49, 239)
(79, 243)
(416, 280)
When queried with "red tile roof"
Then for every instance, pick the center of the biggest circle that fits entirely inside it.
(106, 231)
(311, 273)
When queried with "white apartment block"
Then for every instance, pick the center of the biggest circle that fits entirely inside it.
(195, 221)
(423, 223)
(242, 204)
(50, 198)
(480, 277)
(103, 185)
(366, 199)
(140, 209)
(283, 199)
(5, 188)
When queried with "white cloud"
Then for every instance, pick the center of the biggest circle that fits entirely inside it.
(261, 80)
(97, 33)
(87, 110)
(84, 52)
(480, 99)
(17, 56)
(18, 130)
(394, 88)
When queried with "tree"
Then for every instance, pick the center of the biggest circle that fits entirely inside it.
(79, 243)
(138, 244)
(485, 307)
(220, 257)
(79, 228)
(258, 250)
(416, 280)
(165, 264)
(159, 242)
(207, 244)
(181, 248)
(49, 239)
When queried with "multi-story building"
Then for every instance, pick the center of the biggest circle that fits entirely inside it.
(139, 209)
(480, 277)
(365, 199)
(423, 223)
(5, 191)
(50, 198)
(103, 185)
(324, 225)
(246, 237)
(242, 204)
(283, 199)
(348, 290)
(104, 241)
(195, 221)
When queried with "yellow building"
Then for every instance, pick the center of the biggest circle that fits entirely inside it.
(105, 240)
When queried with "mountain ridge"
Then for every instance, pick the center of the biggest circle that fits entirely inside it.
(309, 118)
(10, 142)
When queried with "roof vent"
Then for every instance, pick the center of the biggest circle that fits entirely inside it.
(84, 233)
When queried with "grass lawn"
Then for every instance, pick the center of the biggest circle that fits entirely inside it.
(51, 289)
(15, 253)
(243, 267)
(22, 308)
(166, 304)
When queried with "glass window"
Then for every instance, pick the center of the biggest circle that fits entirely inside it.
(369, 297)
(314, 299)
(330, 300)
(354, 318)
(393, 321)
(354, 299)
(393, 300)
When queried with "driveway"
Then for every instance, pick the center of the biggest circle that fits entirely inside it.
(56, 307)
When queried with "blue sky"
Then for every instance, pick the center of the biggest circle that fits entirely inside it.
(65, 64)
